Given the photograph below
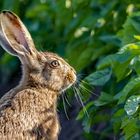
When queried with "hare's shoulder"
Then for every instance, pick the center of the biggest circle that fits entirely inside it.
(25, 109)
(14, 94)
(26, 100)
(17, 100)
(18, 112)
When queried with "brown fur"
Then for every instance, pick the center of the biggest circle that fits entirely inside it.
(28, 112)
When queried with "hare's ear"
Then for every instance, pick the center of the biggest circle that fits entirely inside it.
(14, 37)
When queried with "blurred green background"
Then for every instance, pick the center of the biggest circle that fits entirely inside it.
(100, 39)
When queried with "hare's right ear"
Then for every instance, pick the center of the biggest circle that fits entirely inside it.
(14, 37)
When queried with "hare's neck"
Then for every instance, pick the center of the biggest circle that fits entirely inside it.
(31, 79)
(27, 77)
(33, 82)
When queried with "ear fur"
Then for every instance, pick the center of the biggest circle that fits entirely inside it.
(14, 37)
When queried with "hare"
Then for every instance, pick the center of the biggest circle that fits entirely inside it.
(28, 111)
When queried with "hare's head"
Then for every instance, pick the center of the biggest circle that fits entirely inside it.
(45, 68)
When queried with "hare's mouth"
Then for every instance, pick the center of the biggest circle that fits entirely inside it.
(70, 80)
(64, 88)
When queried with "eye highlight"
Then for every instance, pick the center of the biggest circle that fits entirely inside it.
(54, 64)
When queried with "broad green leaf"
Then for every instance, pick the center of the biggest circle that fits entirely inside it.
(137, 37)
(110, 39)
(120, 67)
(120, 61)
(106, 61)
(117, 61)
(131, 27)
(125, 54)
(103, 99)
(132, 104)
(99, 78)
(119, 113)
(135, 64)
(128, 88)
(133, 48)
(130, 129)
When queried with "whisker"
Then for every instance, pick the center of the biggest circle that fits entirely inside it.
(81, 95)
(87, 90)
(81, 85)
(79, 78)
(84, 82)
(84, 109)
(64, 105)
(65, 97)
(75, 94)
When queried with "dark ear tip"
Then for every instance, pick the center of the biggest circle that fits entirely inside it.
(4, 11)
(9, 13)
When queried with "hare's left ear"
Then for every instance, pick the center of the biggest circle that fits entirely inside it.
(14, 37)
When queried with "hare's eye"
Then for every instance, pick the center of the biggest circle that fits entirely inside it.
(54, 64)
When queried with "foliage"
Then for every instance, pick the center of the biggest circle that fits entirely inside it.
(123, 107)
(100, 38)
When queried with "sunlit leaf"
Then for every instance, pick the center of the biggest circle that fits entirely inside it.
(135, 64)
(132, 104)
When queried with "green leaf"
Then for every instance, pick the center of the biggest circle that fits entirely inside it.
(86, 120)
(116, 61)
(99, 78)
(133, 48)
(103, 99)
(107, 38)
(134, 83)
(130, 129)
(117, 120)
(132, 104)
(87, 125)
(82, 112)
(135, 64)
(130, 28)
(121, 61)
